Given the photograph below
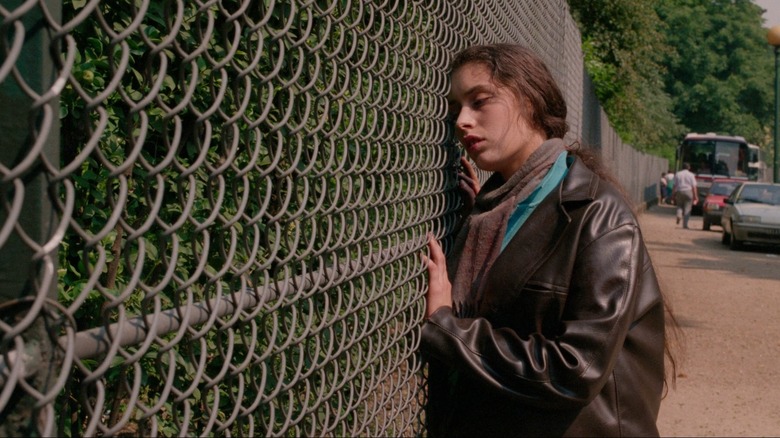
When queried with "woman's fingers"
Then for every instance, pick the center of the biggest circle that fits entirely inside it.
(470, 173)
(468, 184)
(437, 255)
(439, 287)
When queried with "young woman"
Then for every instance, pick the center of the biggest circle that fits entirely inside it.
(547, 318)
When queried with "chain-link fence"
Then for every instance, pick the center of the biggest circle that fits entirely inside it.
(212, 212)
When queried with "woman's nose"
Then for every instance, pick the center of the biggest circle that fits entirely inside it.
(465, 119)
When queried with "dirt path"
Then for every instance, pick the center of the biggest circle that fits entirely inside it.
(728, 305)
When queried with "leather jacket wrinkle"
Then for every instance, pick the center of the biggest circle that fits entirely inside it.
(568, 336)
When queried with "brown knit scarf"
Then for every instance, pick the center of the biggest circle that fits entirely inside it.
(479, 241)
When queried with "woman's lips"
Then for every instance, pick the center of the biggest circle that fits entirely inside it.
(472, 142)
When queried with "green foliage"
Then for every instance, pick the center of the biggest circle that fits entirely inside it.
(99, 262)
(720, 66)
(196, 178)
(622, 49)
(667, 67)
(601, 73)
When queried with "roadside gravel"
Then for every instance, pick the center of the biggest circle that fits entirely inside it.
(727, 304)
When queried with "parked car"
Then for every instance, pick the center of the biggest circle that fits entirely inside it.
(712, 207)
(752, 214)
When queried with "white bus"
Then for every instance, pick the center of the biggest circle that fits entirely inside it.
(757, 170)
(713, 156)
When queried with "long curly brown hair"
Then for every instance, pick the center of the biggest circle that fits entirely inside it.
(521, 71)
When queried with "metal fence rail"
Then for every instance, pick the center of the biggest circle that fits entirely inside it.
(212, 212)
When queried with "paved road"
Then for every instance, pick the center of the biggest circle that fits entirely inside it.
(728, 306)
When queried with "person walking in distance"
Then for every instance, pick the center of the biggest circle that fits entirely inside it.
(546, 317)
(685, 193)
(662, 184)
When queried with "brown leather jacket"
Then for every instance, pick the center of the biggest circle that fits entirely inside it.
(569, 338)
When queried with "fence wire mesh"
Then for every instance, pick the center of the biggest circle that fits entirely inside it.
(212, 212)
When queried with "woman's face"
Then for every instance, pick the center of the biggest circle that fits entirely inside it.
(489, 123)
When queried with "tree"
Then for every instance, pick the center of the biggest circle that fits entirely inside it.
(623, 50)
(719, 67)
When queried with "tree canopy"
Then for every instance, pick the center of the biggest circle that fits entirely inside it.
(662, 68)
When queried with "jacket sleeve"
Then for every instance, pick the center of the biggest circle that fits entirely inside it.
(568, 366)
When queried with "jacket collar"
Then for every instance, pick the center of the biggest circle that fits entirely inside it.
(541, 234)
(580, 183)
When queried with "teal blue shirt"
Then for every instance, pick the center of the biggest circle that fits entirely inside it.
(524, 209)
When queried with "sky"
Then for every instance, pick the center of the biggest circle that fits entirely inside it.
(772, 15)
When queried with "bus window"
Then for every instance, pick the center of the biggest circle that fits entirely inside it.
(715, 155)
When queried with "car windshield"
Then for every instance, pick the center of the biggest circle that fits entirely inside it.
(763, 194)
(723, 188)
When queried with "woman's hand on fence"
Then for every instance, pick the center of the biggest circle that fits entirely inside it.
(439, 287)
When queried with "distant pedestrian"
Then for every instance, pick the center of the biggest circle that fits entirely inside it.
(662, 185)
(685, 193)
(669, 187)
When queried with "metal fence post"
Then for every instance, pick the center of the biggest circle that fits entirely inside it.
(24, 179)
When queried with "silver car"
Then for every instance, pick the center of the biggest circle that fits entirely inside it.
(752, 214)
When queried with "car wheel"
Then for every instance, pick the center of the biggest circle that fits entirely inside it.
(725, 238)
(705, 224)
(734, 244)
